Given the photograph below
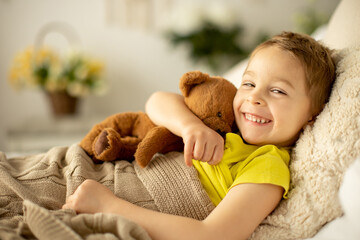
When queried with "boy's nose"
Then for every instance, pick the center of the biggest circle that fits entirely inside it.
(255, 99)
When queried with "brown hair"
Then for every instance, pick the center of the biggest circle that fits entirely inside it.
(316, 59)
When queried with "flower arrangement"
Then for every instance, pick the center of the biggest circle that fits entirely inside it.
(76, 74)
(211, 33)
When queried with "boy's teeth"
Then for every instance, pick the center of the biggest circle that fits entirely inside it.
(255, 119)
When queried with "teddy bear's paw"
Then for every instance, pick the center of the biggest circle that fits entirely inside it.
(107, 145)
(101, 143)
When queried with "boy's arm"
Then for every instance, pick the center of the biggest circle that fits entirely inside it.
(201, 142)
(169, 110)
(236, 217)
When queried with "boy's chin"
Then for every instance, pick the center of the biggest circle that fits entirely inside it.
(256, 139)
(252, 140)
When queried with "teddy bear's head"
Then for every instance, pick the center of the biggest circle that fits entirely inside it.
(210, 99)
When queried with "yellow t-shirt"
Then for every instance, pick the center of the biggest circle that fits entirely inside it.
(243, 163)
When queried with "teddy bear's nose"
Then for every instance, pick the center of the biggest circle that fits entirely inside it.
(222, 133)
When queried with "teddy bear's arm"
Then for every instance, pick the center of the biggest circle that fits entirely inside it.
(117, 136)
(158, 140)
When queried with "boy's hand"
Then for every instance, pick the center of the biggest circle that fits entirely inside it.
(91, 197)
(202, 143)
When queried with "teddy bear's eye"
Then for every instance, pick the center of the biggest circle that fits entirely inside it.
(219, 114)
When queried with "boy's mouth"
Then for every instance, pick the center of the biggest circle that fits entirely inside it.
(256, 119)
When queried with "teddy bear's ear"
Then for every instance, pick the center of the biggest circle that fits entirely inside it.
(190, 80)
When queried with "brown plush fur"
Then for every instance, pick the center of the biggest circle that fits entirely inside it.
(132, 135)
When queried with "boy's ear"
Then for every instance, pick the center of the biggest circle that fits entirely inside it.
(310, 123)
(312, 120)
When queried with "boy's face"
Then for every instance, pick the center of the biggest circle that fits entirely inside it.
(272, 104)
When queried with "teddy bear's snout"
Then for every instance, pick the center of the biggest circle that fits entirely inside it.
(221, 132)
(218, 125)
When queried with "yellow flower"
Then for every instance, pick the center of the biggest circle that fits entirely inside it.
(95, 67)
(77, 74)
(20, 72)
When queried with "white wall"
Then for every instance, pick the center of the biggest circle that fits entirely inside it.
(137, 62)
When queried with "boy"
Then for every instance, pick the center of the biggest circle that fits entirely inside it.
(286, 83)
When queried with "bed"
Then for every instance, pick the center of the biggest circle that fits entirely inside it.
(324, 160)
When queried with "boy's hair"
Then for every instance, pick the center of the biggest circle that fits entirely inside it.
(316, 59)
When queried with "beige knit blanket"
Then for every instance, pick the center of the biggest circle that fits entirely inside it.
(33, 189)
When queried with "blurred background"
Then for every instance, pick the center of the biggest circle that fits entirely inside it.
(108, 56)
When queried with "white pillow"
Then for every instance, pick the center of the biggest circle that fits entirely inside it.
(347, 226)
(343, 28)
(320, 158)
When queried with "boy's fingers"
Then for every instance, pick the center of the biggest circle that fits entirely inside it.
(199, 150)
(208, 153)
(219, 153)
(69, 198)
(189, 163)
(67, 205)
(217, 156)
(68, 202)
(188, 152)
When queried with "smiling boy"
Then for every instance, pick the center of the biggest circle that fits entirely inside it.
(272, 103)
(286, 83)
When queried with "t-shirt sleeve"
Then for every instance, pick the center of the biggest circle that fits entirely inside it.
(269, 168)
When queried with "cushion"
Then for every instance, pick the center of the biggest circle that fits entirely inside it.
(347, 226)
(321, 156)
(343, 28)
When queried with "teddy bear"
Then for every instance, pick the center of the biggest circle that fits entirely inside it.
(132, 135)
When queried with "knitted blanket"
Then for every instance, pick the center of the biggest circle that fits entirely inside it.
(33, 189)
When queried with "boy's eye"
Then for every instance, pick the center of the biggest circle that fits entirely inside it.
(248, 84)
(278, 91)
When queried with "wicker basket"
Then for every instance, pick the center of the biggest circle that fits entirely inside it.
(61, 103)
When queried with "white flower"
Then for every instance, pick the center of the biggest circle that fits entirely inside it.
(100, 88)
(82, 72)
(77, 89)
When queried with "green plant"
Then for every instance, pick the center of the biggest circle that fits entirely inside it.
(212, 44)
(212, 35)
